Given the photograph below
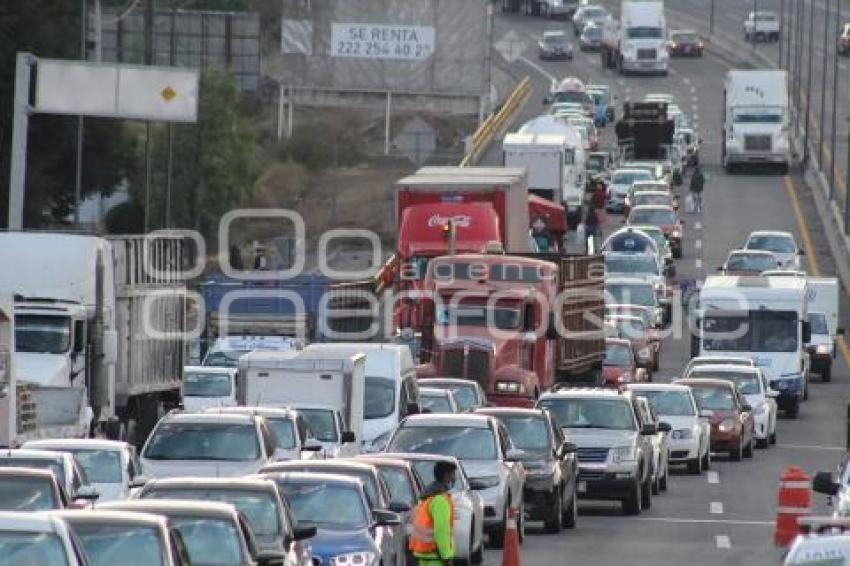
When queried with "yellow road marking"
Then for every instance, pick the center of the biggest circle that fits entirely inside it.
(811, 257)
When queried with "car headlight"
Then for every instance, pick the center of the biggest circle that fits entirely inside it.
(728, 425)
(823, 349)
(485, 482)
(622, 454)
(677, 233)
(510, 387)
(681, 434)
(354, 558)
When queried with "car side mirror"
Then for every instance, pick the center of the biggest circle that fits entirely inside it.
(772, 393)
(87, 493)
(568, 448)
(384, 518)
(304, 532)
(514, 455)
(823, 483)
(547, 100)
(648, 429)
(706, 413)
(399, 507)
(271, 558)
(801, 252)
(413, 408)
(746, 408)
(138, 482)
(347, 437)
(311, 445)
(839, 331)
(664, 427)
(807, 332)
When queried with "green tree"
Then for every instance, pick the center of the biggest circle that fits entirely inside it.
(48, 28)
(214, 166)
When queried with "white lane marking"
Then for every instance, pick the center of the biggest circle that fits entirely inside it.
(698, 263)
(685, 521)
(716, 508)
(712, 476)
(693, 89)
(673, 71)
(698, 225)
(843, 66)
(695, 99)
(537, 68)
(696, 117)
(686, 80)
(698, 244)
(723, 542)
(621, 82)
(813, 447)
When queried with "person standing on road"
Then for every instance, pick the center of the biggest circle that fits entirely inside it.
(432, 536)
(697, 185)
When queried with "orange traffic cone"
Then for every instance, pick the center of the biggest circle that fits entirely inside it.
(795, 501)
(510, 553)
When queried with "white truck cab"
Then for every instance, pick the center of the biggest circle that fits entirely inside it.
(204, 387)
(551, 162)
(642, 38)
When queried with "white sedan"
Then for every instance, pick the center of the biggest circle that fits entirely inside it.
(111, 466)
(689, 439)
(782, 244)
(468, 506)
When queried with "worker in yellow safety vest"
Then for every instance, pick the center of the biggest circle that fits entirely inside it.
(431, 536)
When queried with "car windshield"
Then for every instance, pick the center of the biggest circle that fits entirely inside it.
(750, 262)
(630, 328)
(32, 549)
(629, 177)
(284, 431)
(106, 544)
(630, 294)
(753, 116)
(435, 403)
(654, 216)
(614, 414)
(42, 334)
(365, 475)
(38, 463)
(322, 423)
(817, 321)
(618, 355)
(756, 331)
(464, 443)
(713, 398)
(379, 399)
(572, 96)
(479, 316)
(326, 505)
(776, 244)
(651, 199)
(645, 33)
(224, 359)
(210, 542)
(398, 482)
(528, 433)
(100, 466)
(260, 508)
(203, 441)
(592, 32)
(670, 403)
(555, 39)
(27, 494)
(637, 263)
(747, 382)
(200, 384)
(592, 13)
(685, 37)
(466, 396)
(595, 163)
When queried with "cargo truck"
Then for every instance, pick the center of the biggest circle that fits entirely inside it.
(637, 42)
(515, 325)
(756, 119)
(645, 132)
(99, 330)
(328, 386)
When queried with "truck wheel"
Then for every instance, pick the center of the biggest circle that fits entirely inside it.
(554, 522)
(826, 374)
(706, 460)
(748, 450)
(737, 454)
(632, 504)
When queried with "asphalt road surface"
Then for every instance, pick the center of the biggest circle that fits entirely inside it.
(726, 516)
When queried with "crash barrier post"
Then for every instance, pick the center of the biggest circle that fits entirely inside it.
(496, 122)
(795, 501)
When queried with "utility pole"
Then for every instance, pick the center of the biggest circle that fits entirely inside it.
(78, 173)
(823, 80)
(847, 186)
(755, 24)
(781, 29)
(711, 20)
(149, 41)
(832, 161)
(809, 73)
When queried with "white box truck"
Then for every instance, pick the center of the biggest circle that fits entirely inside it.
(637, 42)
(756, 119)
(310, 380)
(763, 318)
(823, 318)
(551, 162)
(99, 328)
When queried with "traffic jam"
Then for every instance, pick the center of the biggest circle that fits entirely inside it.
(531, 307)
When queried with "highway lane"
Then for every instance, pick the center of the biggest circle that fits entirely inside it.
(725, 517)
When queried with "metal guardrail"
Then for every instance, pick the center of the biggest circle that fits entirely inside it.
(493, 125)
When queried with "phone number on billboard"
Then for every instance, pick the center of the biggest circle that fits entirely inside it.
(381, 42)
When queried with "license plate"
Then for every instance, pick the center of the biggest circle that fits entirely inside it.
(581, 487)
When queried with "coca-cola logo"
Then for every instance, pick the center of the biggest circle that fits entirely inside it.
(460, 220)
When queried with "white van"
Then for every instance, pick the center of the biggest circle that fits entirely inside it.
(392, 392)
(204, 387)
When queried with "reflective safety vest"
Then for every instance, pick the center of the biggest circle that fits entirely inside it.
(422, 526)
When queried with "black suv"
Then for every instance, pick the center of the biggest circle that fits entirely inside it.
(550, 463)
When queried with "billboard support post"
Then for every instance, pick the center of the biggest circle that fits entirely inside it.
(20, 127)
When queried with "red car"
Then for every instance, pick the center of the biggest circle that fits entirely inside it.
(634, 329)
(665, 218)
(685, 43)
(620, 365)
(731, 418)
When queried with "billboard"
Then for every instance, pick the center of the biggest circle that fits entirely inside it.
(430, 47)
